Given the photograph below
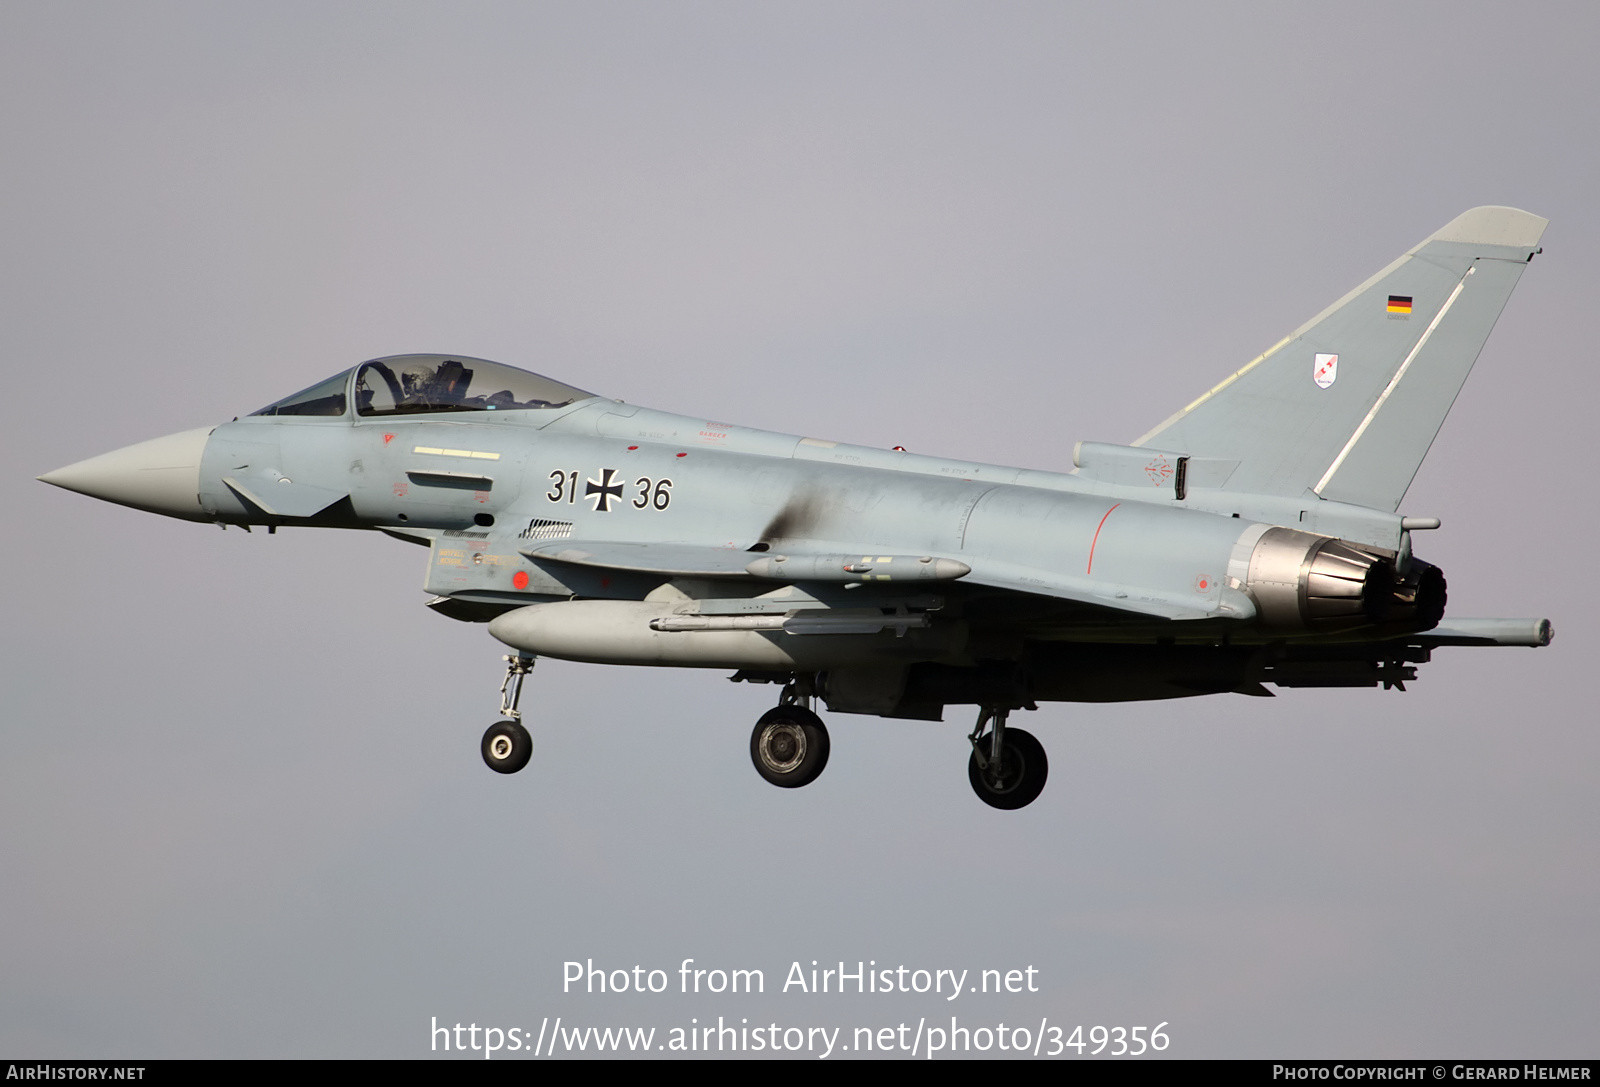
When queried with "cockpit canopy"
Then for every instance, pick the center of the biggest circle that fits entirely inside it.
(411, 384)
(417, 384)
(324, 398)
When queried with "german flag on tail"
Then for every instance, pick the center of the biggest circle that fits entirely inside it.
(1399, 303)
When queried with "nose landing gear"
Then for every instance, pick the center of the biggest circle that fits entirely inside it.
(507, 747)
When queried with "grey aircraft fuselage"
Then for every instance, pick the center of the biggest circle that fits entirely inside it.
(1212, 556)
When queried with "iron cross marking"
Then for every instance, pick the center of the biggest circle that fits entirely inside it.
(601, 491)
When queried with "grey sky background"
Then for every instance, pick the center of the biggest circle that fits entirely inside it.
(242, 811)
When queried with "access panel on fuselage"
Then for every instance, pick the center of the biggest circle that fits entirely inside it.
(436, 473)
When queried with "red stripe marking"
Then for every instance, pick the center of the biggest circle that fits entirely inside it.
(1097, 528)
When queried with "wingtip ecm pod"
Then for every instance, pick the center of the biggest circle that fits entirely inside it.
(1346, 406)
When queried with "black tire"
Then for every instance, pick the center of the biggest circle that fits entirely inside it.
(507, 747)
(1021, 776)
(789, 746)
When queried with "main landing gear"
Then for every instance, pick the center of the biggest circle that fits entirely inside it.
(789, 745)
(507, 747)
(1008, 767)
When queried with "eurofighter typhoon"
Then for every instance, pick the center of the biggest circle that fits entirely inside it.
(1252, 538)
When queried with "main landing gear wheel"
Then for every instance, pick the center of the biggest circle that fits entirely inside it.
(507, 747)
(1018, 780)
(789, 746)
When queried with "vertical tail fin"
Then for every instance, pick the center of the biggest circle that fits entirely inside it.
(1347, 405)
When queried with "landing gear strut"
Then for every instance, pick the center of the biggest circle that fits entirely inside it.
(1008, 767)
(507, 747)
(790, 743)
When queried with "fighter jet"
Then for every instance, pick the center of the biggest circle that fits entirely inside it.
(1251, 539)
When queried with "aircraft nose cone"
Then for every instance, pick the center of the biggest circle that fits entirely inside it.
(161, 475)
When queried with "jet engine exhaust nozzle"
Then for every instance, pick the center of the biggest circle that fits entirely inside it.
(1316, 584)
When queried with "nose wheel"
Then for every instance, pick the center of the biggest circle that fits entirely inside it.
(506, 746)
